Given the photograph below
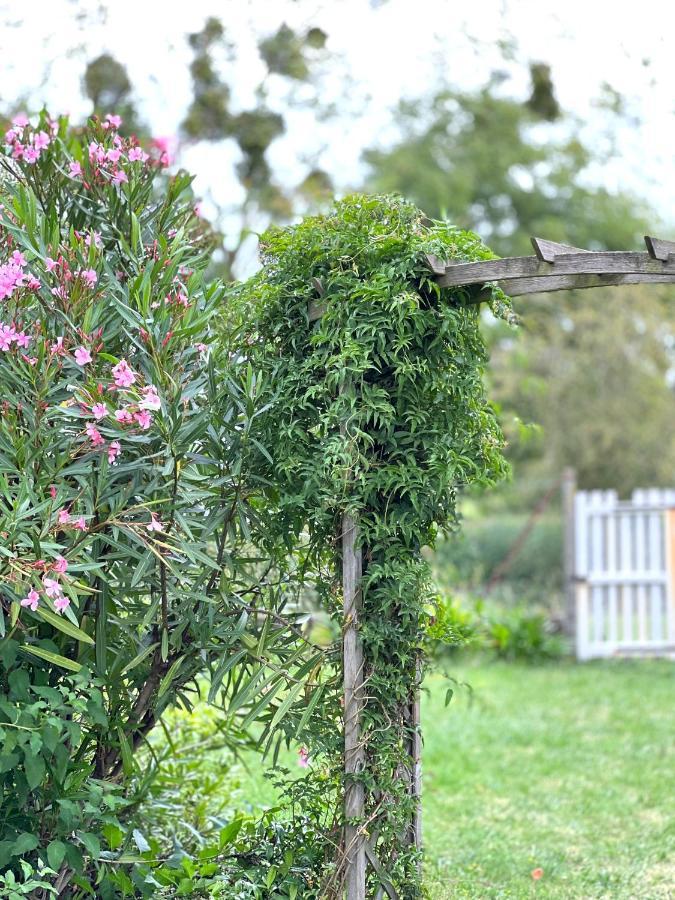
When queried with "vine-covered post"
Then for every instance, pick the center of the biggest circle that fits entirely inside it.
(354, 838)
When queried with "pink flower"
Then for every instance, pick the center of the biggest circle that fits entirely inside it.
(75, 169)
(154, 524)
(31, 599)
(113, 451)
(537, 873)
(61, 565)
(99, 411)
(57, 346)
(150, 398)
(33, 283)
(82, 356)
(50, 264)
(303, 757)
(61, 603)
(21, 120)
(94, 435)
(31, 360)
(113, 121)
(123, 416)
(144, 419)
(113, 155)
(63, 517)
(52, 491)
(123, 375)
(94, 236)
(19, 259)
(80, 524)
(52, 587)
(202, 348)
(96, 152)
(89, 275)
(136, 154)
(7, 337)
(41, 140)
(31, 155)
(120, 177)
(22, 339)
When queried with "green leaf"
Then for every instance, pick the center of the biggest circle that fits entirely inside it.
(34, 769)
(53, 658)
(64, 625)
(55, 854)
(24, 844)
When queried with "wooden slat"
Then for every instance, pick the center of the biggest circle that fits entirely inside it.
(520, 287)
(659, 249)
(355, 852)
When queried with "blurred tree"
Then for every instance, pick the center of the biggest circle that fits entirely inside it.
(593, 369)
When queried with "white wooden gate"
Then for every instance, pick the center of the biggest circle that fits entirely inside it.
(624, 560)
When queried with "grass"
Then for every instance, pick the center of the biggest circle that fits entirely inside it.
(566, 768)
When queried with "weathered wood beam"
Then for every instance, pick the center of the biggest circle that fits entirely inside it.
(548, 250)
(519, 287)
(354, 797)
(659, 249)
(583, 263)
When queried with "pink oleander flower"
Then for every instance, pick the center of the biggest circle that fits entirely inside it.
(94, 435)
(7, 337)
(114, 451)
(112, 121)
(61, 603)
(150, 398)
(89, 275)
(120, 177)
(52, 587)
(50, 264)
(33, 283)
(113, 155)
(136, 154)
(22, 339)
(41, 140)
(95, 237)
(21, 120)
(31, 360)
(154, 524)
(61, 565)
(11, 136)
(202, 348)
(123, 375)
(52, 491)
(80, 524)
(123, 416)
(31, 155)
(82, 356)
(57, 346)
(96, 152)
(75, 169)
(303, 757)
(31, 599)
(99, 411)
(19, 259)
(144, 419)
(11, 277)
(63, 517)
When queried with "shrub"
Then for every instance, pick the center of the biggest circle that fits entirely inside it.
(126, 504)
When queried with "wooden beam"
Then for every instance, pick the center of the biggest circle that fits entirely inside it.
(659, 249)
(519, 287)
(548, 250)
(355, 848)
(583, 263)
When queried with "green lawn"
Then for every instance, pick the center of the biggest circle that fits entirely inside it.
(566, 768)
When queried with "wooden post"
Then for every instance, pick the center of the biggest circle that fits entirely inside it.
(355, 850)
(416, 760)
(568, 490)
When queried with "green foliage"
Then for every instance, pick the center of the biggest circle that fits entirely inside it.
(518, 633)
(128, 570)
(377, 409)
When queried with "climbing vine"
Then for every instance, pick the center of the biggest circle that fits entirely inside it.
(377, 409)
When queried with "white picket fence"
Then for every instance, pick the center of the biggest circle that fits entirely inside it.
(624, 560)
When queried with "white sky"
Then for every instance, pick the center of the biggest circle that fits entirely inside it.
(384, 51)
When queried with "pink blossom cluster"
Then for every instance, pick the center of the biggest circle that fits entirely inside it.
(51, 586)
(28, 146)
(64, 517)
(12, 276)
(9, 335)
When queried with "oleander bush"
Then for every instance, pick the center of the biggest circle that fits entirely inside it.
(129, 575)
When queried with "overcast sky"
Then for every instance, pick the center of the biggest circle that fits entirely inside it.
(384, 51)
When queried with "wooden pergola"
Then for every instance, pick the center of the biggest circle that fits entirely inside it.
(554, 267)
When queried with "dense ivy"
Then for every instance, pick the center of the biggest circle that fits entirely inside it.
(378, 409)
